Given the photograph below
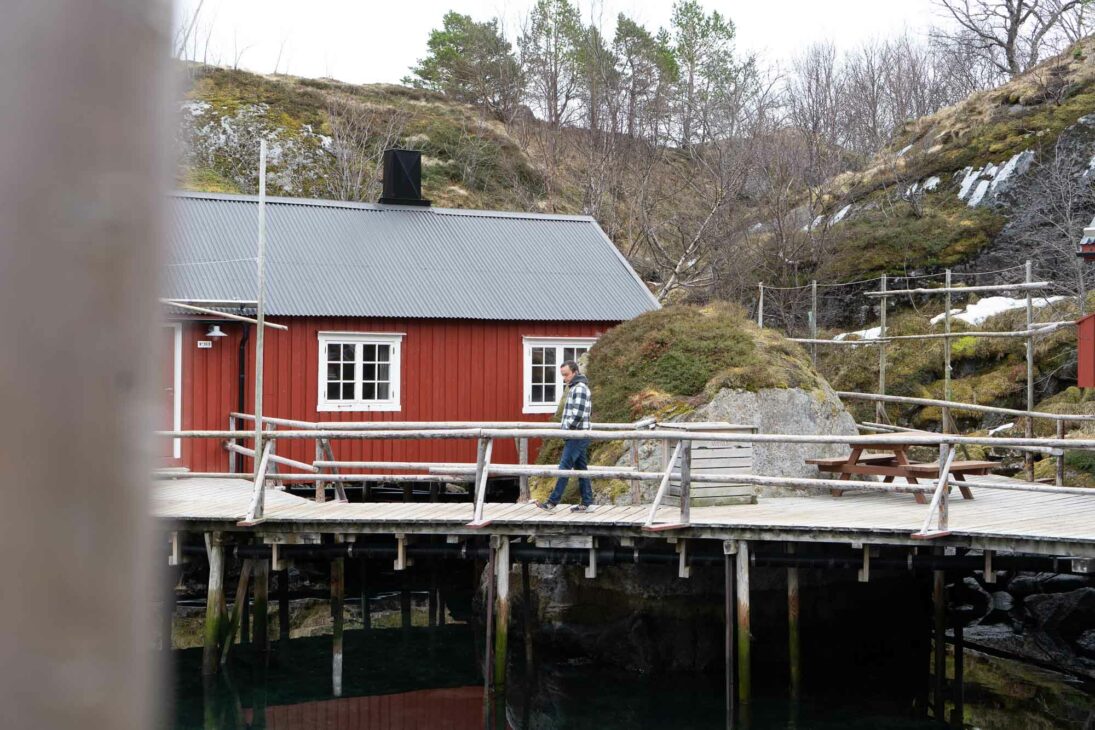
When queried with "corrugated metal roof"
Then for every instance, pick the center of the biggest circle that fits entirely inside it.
(327, 258)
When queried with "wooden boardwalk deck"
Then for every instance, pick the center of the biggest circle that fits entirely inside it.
(1049, 524)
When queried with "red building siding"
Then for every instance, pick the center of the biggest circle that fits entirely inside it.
(450, 371)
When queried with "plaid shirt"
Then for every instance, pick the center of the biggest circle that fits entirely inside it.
(579, 405)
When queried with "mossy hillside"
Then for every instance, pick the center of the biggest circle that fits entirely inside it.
(885, 234)
(891, 238)
(988, 371)
(468, 162)
(671, 361)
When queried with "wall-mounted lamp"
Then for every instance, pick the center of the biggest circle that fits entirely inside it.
(215, 331)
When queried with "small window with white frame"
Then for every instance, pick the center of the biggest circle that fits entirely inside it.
(543, 385)
(359, 371)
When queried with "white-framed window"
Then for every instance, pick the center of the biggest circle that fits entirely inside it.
(359, 371)
(543, 386)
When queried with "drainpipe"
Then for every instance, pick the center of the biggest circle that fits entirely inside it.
(241, 368)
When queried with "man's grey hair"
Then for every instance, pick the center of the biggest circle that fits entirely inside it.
(572, 365)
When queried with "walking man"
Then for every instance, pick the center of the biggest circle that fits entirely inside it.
(576, 414)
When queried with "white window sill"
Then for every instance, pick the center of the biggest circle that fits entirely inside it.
(538, 408)
(358, 407)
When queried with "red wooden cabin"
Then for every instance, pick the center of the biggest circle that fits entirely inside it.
(396, 311)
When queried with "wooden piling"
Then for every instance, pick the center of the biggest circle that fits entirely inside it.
(167, 628)
(262, 602)
(214, 603)
(939, 645)
(957, 690)
(283, 607)
(526, 609)
(728, 548)
(488, 653)
(793, 648)
(237, 609)
(501, 617)
(245, 620)
(363, 577)
(744, 665)
(338, 590)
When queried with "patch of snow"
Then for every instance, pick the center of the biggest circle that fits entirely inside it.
(196, 108)
(968, 180)
(1018, 164)
(981, 310)
(1003, 427)
(871, 333)
(839, 216)
(758, 227)
(979, 193)
(931, 183)
(911, 190)
(903, 150)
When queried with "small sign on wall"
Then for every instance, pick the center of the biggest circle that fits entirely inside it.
(205, 344)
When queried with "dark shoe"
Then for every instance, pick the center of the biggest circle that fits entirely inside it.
(582, 508)
(546, 505)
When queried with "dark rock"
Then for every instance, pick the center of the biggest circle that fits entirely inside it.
(1065, 582)
(1065, 614)
(1002, 601)
(1025, 584)
(970, 601)
(1086, 643)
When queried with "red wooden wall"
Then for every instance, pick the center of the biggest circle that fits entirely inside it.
(437, 709)
(1085, 351)
(451, 370)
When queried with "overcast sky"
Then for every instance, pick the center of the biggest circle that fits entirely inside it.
(365, 41)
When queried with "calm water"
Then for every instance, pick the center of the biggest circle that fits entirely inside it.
(429, 678)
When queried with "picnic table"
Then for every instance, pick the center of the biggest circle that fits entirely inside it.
(891, 460)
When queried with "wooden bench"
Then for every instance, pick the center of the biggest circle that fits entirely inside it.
(837, 463)
(959, 469)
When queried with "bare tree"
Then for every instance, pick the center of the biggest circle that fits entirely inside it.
(813, 93)
(1011, 35)
(1054, 212)
(359, 136)
(185, 32)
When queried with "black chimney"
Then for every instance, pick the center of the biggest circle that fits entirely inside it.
(403, 178)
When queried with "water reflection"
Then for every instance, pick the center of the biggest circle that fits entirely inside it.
(428, 678)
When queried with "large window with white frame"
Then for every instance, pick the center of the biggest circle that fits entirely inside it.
(543, 386)
(359, 371)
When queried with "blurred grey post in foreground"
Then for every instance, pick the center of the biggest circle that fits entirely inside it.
(82, 152)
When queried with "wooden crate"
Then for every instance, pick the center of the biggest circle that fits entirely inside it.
(717, 457)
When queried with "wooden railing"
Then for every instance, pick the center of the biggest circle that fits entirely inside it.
(935, 523)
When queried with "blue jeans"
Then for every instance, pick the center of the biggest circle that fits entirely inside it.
(575, 453)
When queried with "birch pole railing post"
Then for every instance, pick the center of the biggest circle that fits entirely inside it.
(813, 320)
(663, 487)
(880, 407)
(1059, 477)
(482, 468)
(760, 304)
(940, 502)
(522, 458)
(946, 425)
(258, 497)
(685, 448)
(1028, 458)
(260, 309)
(636, 485)
(233, 457)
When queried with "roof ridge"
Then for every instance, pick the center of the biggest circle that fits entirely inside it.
(379, 207)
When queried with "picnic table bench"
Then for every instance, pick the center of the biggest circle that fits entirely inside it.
(892, 462)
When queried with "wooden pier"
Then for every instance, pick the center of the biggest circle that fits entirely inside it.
(1001, 523)
(1028, 522)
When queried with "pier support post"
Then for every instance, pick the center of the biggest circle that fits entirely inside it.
(488, 651)
(793, 653)
(939, 644)
(744, 665)
(526, 609)
(262, 602)
(958, 691)
(237, 609)
(501, 614)
(283, 607)
(169, 598)
(338, 590)
(729, 549)
(214, 603)
(363, 573)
